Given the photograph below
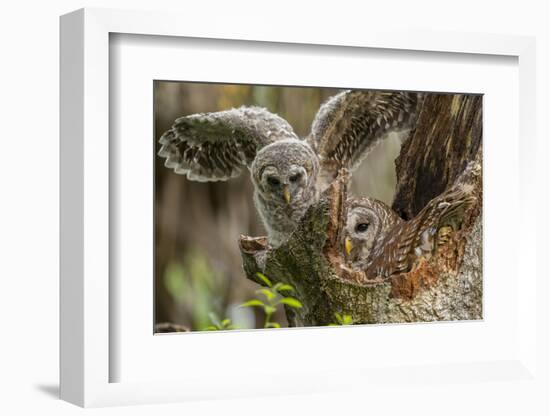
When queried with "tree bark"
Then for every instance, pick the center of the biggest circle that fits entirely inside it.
(448, 286)
(447, 136)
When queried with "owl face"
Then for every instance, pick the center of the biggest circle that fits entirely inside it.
(284, 185)
(284, 172)
(360, 232)
(368, 222)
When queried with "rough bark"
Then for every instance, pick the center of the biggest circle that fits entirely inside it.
(448, 135)
(446, 287)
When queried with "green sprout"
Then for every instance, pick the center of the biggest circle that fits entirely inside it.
(219, 325)
(274, 295)
(342, 319)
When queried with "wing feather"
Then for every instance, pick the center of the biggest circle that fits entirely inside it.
(417, 237)
(218, 146)
(348, 126)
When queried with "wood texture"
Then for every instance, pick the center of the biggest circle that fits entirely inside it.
(447, 136)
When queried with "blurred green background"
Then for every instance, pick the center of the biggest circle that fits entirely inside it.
(197, 260)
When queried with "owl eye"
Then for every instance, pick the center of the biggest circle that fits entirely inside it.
(362, 227)
(295, 177)
(273, 181)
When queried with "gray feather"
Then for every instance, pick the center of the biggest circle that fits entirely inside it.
(218, 146)
(348, 126)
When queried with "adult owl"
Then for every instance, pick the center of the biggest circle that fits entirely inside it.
(376, 240)
(288, 173)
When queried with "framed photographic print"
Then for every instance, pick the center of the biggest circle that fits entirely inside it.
(268, 207)
(266, 160)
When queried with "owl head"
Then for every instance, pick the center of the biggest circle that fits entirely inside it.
(285, 172)
(367, 222)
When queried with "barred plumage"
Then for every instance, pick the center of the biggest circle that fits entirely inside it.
(350, 124)
(217, 146)
(388, 245)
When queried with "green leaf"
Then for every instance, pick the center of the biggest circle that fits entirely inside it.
(292, 302)
(253, 302)
(284, 287)
(343, 319)
(264, 279)
(267, 293)
(272, 325)
(226, 322)
(210, 328)
(269, 309)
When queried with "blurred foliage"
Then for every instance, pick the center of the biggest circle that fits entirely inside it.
(194, 284)
(198, 266)
(234, 95)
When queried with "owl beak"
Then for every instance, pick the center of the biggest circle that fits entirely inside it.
(348, 245)
(286, 194)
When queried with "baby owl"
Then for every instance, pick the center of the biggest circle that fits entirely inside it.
(377, 240)
(288, 173)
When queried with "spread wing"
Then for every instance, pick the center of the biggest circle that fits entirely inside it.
(417, 238)
(217, 146)
(350, 124)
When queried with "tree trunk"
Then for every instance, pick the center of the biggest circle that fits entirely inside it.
(448, 286)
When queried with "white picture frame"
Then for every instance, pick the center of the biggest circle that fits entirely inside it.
(86, 301)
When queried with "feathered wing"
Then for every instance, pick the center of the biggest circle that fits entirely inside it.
(350, 123)
(417, 238)
(217, 146)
